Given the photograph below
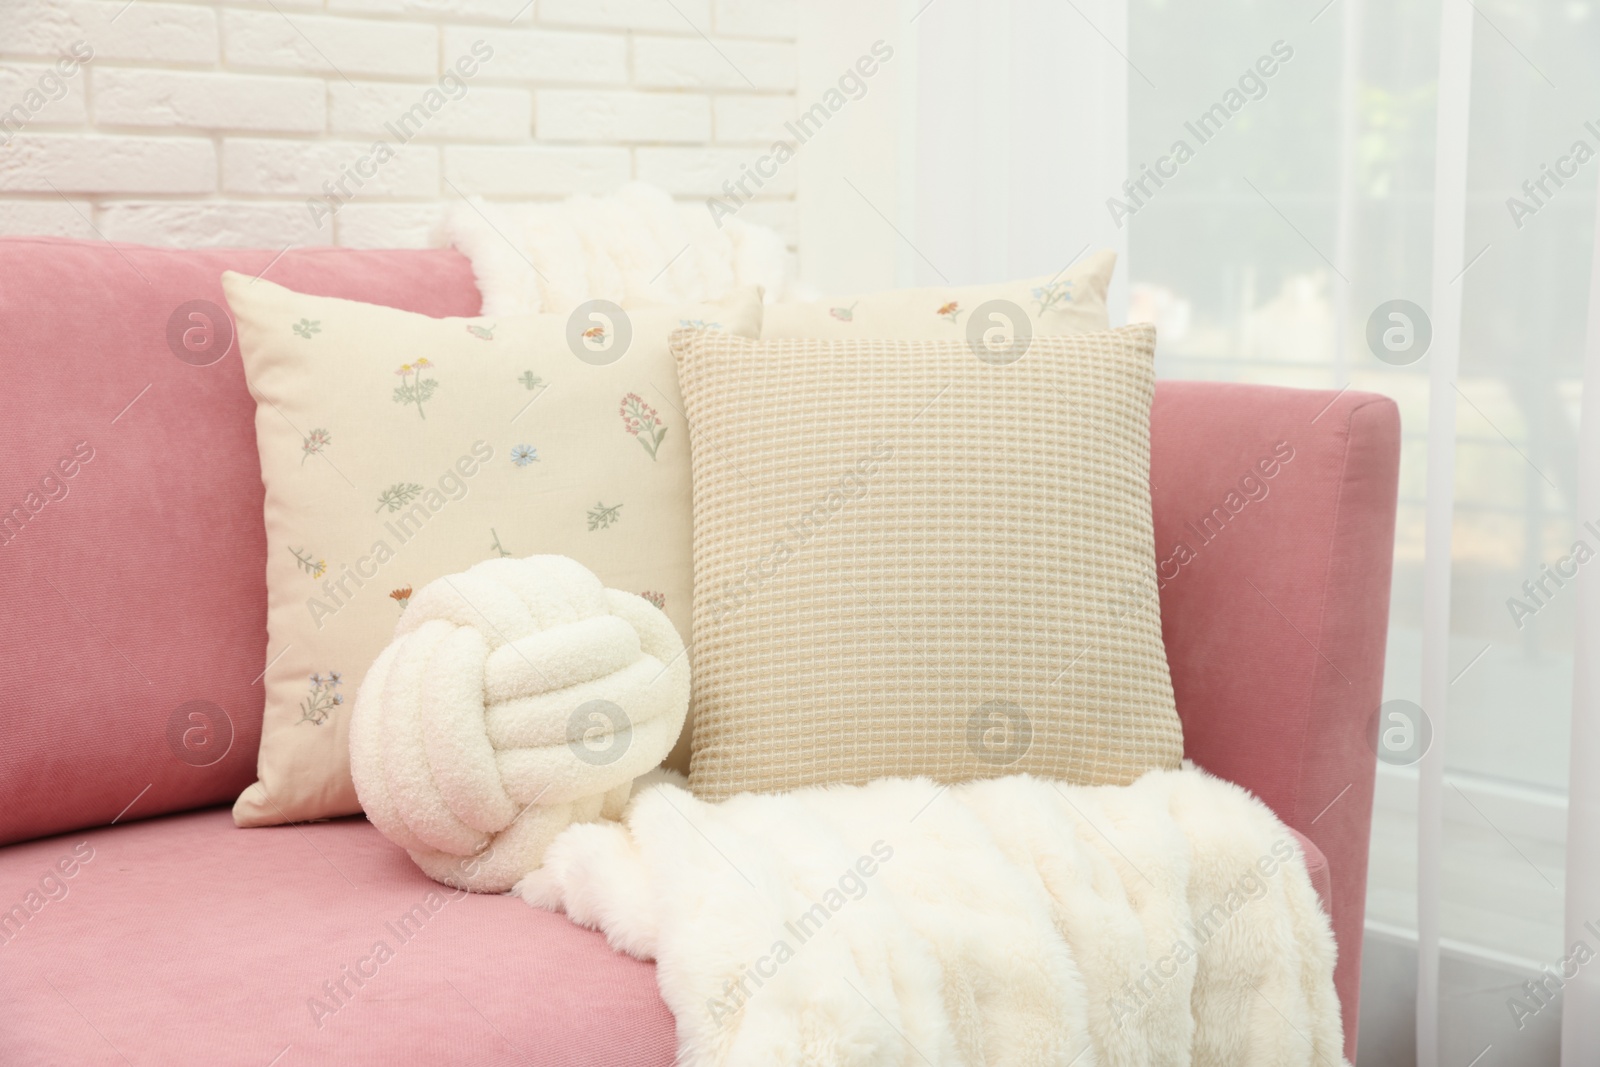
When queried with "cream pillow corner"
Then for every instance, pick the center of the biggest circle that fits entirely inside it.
(398, 448)
(1073, 300)
(915, 559)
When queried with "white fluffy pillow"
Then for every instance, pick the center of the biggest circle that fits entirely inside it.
(636, 247)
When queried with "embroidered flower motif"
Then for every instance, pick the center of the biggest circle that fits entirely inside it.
(306, 327)
(522, 455)
(530, 380)
(323, 698)
(602, 517)
(314, 443)
(596, 336)
(482, 333)
(950, 311)
(401, 596)
(304, 560)
(641, 421)
(1048, 296)
(658, 599)
(417, 390)
(844, 314)
(700, 324)
(398, 496)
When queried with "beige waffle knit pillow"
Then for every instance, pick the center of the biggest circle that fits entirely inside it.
(923, 558)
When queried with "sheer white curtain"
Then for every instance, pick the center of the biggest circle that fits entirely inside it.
(1451, 128)
(1418, 150)
(1020, 134)
(989, 155)
(1580, 1023)
(1380, 165)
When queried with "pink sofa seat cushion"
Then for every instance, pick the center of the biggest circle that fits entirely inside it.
(184, 940)
(143, 587)
(187, 941)
(1275, 617)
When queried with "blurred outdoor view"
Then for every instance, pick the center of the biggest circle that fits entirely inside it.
(1262, 260)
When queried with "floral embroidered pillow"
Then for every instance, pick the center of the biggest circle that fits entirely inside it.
(1071, 301)
(397, 448)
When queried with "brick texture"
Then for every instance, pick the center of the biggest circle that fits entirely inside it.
(222, 122)
(577, 115)
(163, 98)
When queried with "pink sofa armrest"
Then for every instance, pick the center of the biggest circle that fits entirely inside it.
(1274, 525)
(1316, 869)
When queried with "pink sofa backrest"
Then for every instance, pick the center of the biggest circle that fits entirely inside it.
(1275, 609)
(132, 552)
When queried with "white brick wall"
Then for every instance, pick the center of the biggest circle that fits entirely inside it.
(719, 62)
(626, 117)
(211, 122)
(203, 100)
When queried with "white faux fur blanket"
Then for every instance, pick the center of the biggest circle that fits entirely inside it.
(1010, 921)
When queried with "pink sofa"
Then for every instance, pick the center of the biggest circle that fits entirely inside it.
(134, 596)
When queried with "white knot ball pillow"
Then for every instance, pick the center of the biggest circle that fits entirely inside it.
(516, 698)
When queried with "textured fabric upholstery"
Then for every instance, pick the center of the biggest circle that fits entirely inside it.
(185, 940)
(135, 630)
(910, 560)
(1275, 624)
